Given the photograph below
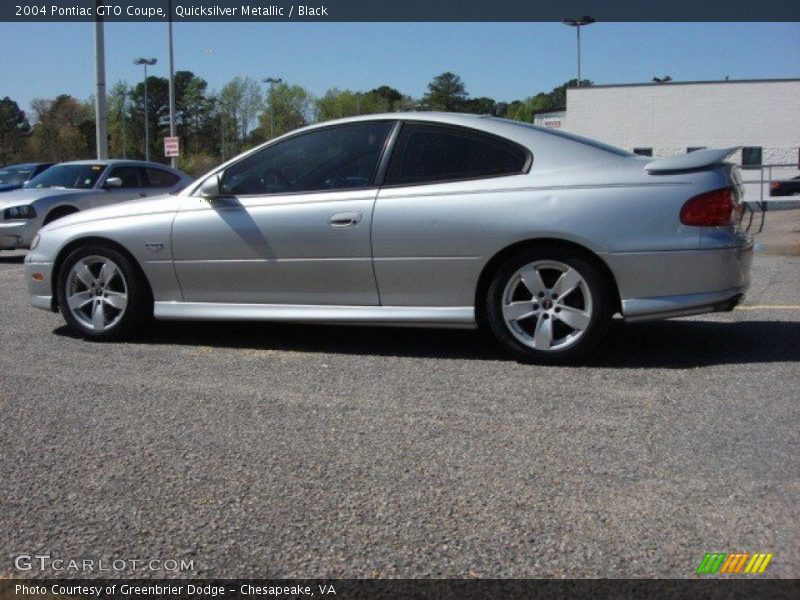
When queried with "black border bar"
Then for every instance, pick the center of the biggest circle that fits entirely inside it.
(398, 10)
(417, 589)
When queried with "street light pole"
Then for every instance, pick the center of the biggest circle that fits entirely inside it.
(145, 62)
(577, 24)
(173, 159)
(272, 81)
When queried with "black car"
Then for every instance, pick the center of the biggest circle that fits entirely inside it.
(13, 176)
(790, 187)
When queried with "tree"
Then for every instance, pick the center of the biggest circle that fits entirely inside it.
(238, 105)
(524, 110)
(195, 118)
(118, 134)
(64, 129)
(558, 95)
(157, 113)
(390, 98)
(445, 92)
(480, 106)
(192, 111)
(14, 127)
(336, 104)
(292, 106)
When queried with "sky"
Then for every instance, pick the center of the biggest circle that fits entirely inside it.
(505, 61)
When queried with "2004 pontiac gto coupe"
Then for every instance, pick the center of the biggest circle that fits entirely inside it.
(417, 219)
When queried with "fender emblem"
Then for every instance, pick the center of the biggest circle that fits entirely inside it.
(154, 246)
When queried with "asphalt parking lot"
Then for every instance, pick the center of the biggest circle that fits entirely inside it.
(299, 451)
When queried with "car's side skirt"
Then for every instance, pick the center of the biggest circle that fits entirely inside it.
(457, 317)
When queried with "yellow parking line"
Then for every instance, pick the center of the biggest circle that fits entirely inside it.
(769, 307)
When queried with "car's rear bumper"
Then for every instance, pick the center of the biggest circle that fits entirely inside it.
(655, 285)
(664, 307)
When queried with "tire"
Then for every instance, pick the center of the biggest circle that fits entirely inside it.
(549, 305)
(102, 294)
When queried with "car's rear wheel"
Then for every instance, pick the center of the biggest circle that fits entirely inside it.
(550, 305)
(101, 294)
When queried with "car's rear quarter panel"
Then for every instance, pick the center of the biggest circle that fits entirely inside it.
(431, 242)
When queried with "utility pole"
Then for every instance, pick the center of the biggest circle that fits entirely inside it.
(272, 81)
(100, 114)
(577, 24)
(173, 160)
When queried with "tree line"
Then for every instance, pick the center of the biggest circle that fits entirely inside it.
(214, 126)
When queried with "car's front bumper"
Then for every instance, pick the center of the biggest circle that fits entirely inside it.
(38, 276)
(17, 234)
(656, 285)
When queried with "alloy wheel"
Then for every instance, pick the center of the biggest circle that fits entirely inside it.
(547, 305)
(96, 293)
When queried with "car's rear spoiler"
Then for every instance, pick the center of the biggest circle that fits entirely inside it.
(699, 159)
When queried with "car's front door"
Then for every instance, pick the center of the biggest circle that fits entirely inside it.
(292, 226)
(133, 185)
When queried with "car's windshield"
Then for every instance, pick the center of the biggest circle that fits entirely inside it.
(15, 175)
(80, 177)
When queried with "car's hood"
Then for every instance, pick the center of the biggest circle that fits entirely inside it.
(28, 195)
(131, 208)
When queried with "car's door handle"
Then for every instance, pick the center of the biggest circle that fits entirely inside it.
(142, 194)
(348, 219)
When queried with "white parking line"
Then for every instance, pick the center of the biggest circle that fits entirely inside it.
(770, 307)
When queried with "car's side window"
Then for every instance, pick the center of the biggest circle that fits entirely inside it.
(159, 178)
(129, 175)
(427, 153)
(334, 158)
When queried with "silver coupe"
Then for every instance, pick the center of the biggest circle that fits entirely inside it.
(414, 219)
(70, 187)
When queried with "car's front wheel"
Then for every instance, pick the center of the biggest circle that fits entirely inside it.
(550, 305)
(101, 294)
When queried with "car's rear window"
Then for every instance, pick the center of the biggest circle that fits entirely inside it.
(428, 153)
(159, 178)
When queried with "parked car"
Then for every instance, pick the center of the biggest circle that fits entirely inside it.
(70, 187)
(416, 219)
(790, 187)
(13, 176)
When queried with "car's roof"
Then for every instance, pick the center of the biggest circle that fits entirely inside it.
(115, 161)
(26, 165)
(432, 116)
(517, 130)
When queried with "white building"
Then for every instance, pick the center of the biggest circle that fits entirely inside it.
(653, 119)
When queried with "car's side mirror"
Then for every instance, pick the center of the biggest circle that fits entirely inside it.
(212, 187)
(113, 182)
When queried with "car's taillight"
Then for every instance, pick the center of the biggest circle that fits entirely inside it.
(712, 209)
(774, 185)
